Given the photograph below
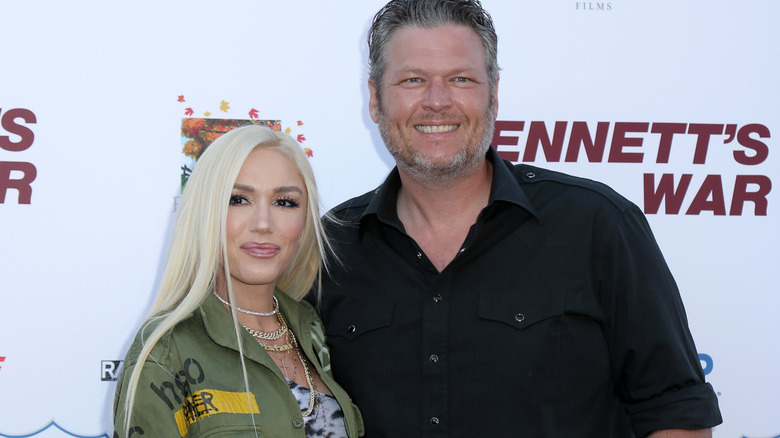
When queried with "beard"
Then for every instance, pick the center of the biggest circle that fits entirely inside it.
(423, 168)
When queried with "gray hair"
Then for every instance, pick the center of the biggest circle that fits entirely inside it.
(429, 14)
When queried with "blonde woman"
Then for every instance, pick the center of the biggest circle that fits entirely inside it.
(230, 349)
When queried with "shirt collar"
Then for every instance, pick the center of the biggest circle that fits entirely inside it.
(505, 187)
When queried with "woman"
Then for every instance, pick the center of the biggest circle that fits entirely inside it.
(231, 350)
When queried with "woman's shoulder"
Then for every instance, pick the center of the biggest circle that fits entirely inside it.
(164, 332)
(291, 306)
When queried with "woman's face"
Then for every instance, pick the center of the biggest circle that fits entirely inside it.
(265, 219)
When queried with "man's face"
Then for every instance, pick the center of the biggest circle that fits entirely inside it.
(437, 108)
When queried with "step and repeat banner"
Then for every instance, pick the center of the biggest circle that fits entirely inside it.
(104, 106)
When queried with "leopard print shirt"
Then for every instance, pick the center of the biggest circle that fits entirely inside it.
(327, 419)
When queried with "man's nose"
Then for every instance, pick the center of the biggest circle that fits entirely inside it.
(437, 96)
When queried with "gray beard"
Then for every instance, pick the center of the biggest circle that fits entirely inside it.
(422, 170)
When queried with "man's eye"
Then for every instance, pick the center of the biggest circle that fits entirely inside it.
(414, 80)
(462, 79)
(238, 200)
(286, 202)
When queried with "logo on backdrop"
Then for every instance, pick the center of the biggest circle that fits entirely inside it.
(15, 136)
(689, 143)
(593, 6)
(706, 363)
(198, 133)
(109, 370)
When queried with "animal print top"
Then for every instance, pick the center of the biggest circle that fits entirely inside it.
(327, 418)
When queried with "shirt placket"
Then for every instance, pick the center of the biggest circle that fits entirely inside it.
(435, 358)
(435, 353)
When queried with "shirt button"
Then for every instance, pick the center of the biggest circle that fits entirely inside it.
(297, 423)
(530, 175)
(419, 256)
(437, 298)
(434, 358)
(351, 328)
(461, 250)
(434, 421)
(519, 317)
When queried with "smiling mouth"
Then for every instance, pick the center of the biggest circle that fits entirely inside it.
(435, 129)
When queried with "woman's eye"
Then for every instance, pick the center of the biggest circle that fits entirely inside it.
(286, 202)
(238, 200)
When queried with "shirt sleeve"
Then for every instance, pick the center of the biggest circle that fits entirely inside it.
(655, 365)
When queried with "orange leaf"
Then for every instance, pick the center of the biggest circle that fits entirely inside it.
(181, 98)
(188, 112)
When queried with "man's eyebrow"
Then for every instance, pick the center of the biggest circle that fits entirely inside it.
(453, 71)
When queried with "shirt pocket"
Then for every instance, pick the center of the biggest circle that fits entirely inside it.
(356, 331)
(351, 321)
(520, 335)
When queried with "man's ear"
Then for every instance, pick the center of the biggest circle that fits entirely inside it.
(495, 94)
(372, 102)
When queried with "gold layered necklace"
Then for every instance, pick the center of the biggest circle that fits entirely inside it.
(279, 351)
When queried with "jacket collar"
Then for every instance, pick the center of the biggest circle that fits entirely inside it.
(218, 323)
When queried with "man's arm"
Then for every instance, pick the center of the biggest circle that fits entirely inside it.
(681, 433)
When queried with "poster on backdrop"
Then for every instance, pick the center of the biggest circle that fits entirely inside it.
(103, 110)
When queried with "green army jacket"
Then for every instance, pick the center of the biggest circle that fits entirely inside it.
(193, 386)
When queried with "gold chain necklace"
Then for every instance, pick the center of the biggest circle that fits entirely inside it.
(290, 343)
(268, 336)
(309, 380)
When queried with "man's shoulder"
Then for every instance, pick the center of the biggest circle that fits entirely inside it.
(538, 180)
(352, 209)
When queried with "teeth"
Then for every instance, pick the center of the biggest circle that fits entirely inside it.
(428, 129)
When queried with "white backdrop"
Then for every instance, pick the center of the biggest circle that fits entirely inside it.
(92, 94)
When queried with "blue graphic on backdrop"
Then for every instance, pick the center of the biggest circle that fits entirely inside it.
(706, 364)
(56, 432)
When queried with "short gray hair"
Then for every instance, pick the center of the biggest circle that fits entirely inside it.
(429, 14)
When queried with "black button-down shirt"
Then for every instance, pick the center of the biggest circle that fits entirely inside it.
(558, 317)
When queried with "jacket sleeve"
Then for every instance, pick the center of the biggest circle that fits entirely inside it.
(157, 407)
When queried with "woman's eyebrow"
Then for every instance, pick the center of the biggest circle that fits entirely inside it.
(280, 189)
(287, 189)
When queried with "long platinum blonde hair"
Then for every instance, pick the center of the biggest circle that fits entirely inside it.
(197, 251)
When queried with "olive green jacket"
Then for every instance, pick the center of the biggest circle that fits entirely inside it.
(193, 384)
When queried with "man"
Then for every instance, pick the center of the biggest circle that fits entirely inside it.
(479, 298)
